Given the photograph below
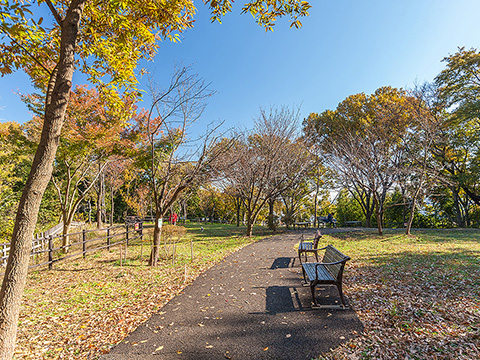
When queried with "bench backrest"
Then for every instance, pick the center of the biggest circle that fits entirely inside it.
(316, 239)
(333, 255)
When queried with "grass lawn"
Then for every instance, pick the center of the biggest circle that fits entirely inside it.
(81, 308)
(418, 297)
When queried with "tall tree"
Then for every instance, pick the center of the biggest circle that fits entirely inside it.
(110, 38)
(459, 87)
(267, 161)
(91, 134)
(420, 141)
(173, 162)
(362, 141)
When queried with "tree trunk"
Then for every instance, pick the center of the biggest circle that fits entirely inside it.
(40, 174)
(65, 238)
(112, 206)
(249, 223)
(379, 223)
(464, 203)
(184, 211)
(238, 211)
(315, 209)
(368, 218)
(412, 213)
(378, 213)
(157, 236)
(212, 214)
(271, 221)
(101, 198)
(456, 204)
(89, 212)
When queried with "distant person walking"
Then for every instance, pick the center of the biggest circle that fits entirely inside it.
(330, 219)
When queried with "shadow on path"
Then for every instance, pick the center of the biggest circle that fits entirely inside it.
(250, 306)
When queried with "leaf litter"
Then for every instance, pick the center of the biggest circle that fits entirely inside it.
(416, 304)
(82, 308)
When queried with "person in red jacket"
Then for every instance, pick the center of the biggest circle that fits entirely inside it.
(173, 218)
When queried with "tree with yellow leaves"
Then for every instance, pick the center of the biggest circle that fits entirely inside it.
(106, 40)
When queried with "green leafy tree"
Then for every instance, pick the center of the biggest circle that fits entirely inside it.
(14, 161)
(459, 153)
(348, 208)
(459, 83)
(294, 198)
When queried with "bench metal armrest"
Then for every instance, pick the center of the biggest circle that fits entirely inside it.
(327, 264)
(333, 263)
(313, 250)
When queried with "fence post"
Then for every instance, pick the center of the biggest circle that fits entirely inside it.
(50, 252)
(108, 239)
(126, 235)
(141, 239)
(4, 254)
(84, 244)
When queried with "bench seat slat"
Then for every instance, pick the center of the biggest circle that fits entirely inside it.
(322, 272)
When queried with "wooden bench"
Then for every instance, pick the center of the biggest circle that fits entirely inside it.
(327, 272)
(306, 247)
(305, 224)
(324, 221)
(353, 223)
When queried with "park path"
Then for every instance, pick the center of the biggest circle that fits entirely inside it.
(250, 306)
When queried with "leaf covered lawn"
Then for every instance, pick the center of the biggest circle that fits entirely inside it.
(418, 297)
(81, 308)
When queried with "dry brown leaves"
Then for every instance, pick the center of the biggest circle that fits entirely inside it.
(415, 310)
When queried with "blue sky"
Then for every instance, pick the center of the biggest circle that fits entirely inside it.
(344, 47)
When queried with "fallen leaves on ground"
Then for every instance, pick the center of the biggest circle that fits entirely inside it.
(420, 304)
(82, 308)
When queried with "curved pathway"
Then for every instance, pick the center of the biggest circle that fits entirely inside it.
(250, 306)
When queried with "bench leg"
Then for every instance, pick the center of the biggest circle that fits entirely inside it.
(305, 282)
(300, 256)
(339, 287)
(312, 289)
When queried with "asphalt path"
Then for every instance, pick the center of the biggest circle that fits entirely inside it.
(252, 305)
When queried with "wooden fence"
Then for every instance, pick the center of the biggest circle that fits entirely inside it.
(49, 250)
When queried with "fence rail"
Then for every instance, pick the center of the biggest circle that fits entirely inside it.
(54, 248)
